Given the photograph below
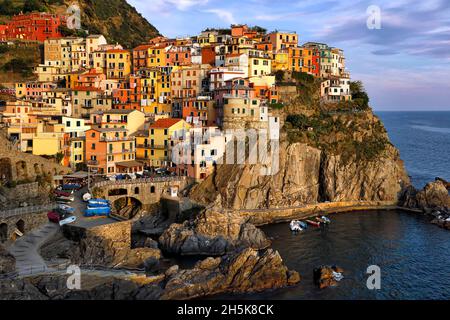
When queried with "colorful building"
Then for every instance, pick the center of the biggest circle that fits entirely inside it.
(112, 150)
(155, 144)
(34, 26)
(118, 63)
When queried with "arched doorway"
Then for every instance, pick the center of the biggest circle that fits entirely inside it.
(21, 170)
(3, 232)
(20, 225)
(136, 190)
(5, 170)
(127, 207)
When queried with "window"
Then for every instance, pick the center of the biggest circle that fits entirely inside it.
(93, 146)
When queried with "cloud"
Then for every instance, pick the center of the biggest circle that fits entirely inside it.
(168, 6)
(223, 14)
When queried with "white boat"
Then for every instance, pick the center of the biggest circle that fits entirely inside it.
(295, 226)
(87, 197)
(69, 220)
(67, 208)
(326, 219)
(338, 276)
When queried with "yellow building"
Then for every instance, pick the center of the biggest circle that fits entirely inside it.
(77, 151)
(280, 61)
(156, 90)
(259, 63)
(118, 64)
(154, 146)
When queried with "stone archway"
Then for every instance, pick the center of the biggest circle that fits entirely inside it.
(127, 207)
(37, 169)
(20, 225)
(3, 232)
(6, 173)
(118, 192)
(21, 170)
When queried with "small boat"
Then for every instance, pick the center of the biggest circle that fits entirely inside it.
(326, 219)
(313, 223)
(60, 193)
(69, 220)
(66, 208)
(323, 220)
(87, 197)
(98, 203)
(295, 226)
(65, 199)
(338, 276)
(71, 186)
(97, 212)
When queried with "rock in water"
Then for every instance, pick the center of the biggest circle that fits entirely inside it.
(324, 276)
(435, 194)
(212, 233)
(244, 272)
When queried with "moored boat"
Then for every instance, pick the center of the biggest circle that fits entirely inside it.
(295, 226)
(66, 208)
(98, 203)
(99, 212)
(313, 223)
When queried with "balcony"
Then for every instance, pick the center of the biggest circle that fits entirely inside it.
(116, 139)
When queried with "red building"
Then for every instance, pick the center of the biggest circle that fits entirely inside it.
(209, 55)
(35, 26)
(3, 30)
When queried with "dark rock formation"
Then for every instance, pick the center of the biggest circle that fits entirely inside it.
(7, 261)
(434, 195)
(324, 276)
(248, 271)
(244, 272)
(212, 233)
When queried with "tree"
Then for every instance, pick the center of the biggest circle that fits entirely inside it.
(59, 157)
(33, 5)
(359, 95)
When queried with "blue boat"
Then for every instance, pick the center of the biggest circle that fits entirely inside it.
(97, 212)
(99, 203)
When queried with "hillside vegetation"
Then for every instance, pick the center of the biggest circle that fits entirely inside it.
(117, 20)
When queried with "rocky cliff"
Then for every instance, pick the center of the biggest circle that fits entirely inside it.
(342, 157)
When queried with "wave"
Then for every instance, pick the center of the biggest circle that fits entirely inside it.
(431, 129)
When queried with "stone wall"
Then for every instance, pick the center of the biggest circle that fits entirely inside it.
(147, 192)
(108, 245)
(263, 217)
(16, 165)
(27, 222)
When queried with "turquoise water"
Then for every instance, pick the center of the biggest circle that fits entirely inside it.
(423, 139)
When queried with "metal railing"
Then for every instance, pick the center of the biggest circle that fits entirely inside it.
(138, 181)
(27, 210)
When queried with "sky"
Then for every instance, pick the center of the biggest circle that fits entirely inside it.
(403, 59)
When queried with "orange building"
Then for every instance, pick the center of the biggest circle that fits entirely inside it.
(128, 95)
(112, 150)
(209, 55)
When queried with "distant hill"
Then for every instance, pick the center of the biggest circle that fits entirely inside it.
(117, 20)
